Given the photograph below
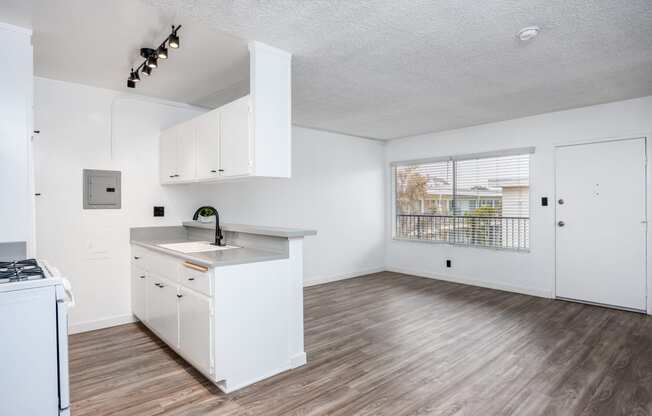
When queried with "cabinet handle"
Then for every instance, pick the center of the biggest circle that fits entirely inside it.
(136, 257)
(213, 171)
(156, 284)
(195, 266)
(161, 285)
(179, 296)
(142, 277)
(220, 170)
(191, 278)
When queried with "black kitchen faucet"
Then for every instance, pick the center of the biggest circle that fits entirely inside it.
(207, 212)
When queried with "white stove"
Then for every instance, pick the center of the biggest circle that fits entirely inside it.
(34, 347)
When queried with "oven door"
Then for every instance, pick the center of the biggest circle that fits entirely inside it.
(62, 341)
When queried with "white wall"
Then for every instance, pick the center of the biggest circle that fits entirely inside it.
(91, 247)
(16, 74)
(531, 272)
(337, 188)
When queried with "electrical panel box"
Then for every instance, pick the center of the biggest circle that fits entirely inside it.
(102, 189)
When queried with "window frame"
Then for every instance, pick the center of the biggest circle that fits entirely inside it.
(498, 153)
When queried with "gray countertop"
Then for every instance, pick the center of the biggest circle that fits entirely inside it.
(254, 229)
(214, 258)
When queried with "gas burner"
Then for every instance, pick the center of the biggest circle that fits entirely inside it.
(20, 270)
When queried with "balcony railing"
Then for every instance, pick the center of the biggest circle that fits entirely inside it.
(495, 232)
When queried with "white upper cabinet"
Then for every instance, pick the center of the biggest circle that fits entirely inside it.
(177, 154)
(186, 161)
(236, 138)
(168, 155)
(207, 132)
(250, 136)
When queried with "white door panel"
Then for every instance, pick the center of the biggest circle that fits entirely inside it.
(208, 145)
(168, 155)
(186, 168)
(235, 138)
(162, 315)
(138, 290)
(600, 223)
(195, 328)
(28, 353)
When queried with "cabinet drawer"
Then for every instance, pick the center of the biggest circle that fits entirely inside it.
(138, 256)
(196, 277)
(163, 265)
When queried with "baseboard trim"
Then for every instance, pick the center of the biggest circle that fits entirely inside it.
(343, 276)
(298, 360)
(100, 323)
(472, 282)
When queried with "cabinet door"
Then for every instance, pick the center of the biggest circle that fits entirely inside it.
(186, 167)
(168, 155)
(195, 328)
(207, 130)
(235, 138)
(162, 308)
(138, 289)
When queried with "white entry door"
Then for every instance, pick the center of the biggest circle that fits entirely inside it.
(601, 226)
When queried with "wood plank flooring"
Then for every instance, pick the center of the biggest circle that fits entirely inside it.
(395, 345)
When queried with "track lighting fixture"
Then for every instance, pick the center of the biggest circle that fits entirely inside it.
(152, 55)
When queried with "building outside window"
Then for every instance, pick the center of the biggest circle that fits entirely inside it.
(475, 201)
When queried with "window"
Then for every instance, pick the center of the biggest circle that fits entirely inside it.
(473, 201)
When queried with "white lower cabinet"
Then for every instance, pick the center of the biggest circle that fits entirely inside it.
(138, 289)
(162, 314)
(231, 323)
(175, 302)
(196, 329)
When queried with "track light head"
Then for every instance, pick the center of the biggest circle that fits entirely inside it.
(147, 70)
(173, 40)
(131, 84)
(134, 76)
(152, 61)
(162, 52)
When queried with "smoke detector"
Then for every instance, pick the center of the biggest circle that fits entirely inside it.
(528, 33)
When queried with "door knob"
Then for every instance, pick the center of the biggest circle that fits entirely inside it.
(561, 223)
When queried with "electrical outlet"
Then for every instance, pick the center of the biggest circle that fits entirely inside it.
(449, 263)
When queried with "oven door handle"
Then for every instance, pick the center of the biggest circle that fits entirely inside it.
(67, 287)
(62, 341)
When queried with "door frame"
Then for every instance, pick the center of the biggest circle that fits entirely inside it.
(647, 241)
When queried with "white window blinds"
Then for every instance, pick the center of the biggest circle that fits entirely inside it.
(477, 201)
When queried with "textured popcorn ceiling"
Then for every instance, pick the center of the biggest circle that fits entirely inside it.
(392, 68)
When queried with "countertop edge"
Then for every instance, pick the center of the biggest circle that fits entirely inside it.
(254, 229)
(266, 256)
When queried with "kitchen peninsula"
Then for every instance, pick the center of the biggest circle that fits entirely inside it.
(190, 295)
